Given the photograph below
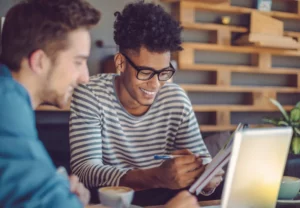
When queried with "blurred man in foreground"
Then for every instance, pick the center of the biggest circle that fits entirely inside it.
(45, 45)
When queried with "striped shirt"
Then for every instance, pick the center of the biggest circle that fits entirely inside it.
(106, 141)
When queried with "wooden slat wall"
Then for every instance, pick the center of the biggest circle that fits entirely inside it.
(261, 62)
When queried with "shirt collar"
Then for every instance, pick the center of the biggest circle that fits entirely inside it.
(4, 71)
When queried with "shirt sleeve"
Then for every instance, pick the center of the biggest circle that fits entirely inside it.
(28, 177)
(86, 142)
(31, 183)
(188, 135)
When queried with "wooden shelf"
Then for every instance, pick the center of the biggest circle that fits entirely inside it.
(51, 108)
(292, 34)
(170, 1)
(237, 108)
(215, 88)
(210, 1)
(213, 1)
(212, 26)
(232, 28)
(268, 41)
(237, 10)
(271, 40)
(238, 49)
(214, 128)
(238, 68)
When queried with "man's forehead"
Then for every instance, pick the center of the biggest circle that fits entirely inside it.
(144, 51)
(152, 59)
(79, 39)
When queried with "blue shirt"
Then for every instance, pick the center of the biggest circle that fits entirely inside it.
(28, 177)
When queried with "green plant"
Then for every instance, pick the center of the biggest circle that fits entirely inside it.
(289, 119)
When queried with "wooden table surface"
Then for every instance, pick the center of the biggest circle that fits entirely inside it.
(203, 203)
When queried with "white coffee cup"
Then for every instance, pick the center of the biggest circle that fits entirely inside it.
(116, 196)
(289, 187)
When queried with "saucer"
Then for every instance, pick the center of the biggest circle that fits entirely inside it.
(296, 200)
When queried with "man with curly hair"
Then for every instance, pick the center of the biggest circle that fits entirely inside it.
(44, 57)
(119, 122)
(45, 45)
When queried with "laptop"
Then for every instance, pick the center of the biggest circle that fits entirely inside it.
(256, 168)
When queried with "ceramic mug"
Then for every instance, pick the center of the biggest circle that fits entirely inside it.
(116, 196)
(289, 187)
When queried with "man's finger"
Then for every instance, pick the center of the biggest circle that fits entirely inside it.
(191, 166)
(87, 195)
(74, 180)
(190, 181)
(220, 173)
(187, 198)
(82, 193)
(214, 183)
(183, 195)
(182, 152)
(184, 160)
(80, 189)
(196, 173)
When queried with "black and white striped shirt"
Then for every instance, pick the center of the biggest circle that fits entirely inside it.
(106, 141)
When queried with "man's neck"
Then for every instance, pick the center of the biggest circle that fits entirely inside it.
(28, 82)
(131, 105)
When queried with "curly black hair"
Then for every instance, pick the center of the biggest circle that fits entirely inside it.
(146, 24)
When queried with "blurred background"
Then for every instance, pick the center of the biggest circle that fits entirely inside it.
(228, 81)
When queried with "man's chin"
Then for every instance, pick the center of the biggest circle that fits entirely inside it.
(63, 104)
(147, 102)
(58, 104)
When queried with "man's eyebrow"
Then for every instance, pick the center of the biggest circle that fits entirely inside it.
(144, 67)
(148, 67)
(81, 57)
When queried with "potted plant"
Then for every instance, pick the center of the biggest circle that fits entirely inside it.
(288, 119)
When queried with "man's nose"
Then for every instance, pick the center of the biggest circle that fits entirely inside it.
(84, 76)
(154, 82)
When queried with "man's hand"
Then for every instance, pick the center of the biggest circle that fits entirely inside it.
(78, 188)
(183, 200)
(215, 182)
(180, 172)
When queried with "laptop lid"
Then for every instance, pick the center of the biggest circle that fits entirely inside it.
(256, 167)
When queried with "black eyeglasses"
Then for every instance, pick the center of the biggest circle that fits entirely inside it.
(145, 73)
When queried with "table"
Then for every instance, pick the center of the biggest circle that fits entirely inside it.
(203, 203)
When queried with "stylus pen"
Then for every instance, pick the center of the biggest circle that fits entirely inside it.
(167, 157)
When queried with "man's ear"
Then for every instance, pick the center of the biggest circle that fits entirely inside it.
(119, 62)
(38, 61)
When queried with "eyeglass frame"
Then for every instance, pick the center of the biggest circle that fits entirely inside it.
(138, 69)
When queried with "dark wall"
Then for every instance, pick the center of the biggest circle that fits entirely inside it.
(5, 5)
(53, 129)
